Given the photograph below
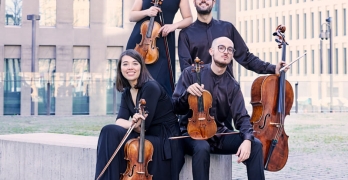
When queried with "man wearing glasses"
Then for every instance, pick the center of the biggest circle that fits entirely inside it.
(195, 41)
(228, 103)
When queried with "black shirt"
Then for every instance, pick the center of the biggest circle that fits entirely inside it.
(228, 101)
(195, 41)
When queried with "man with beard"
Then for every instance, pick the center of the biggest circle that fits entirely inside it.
(195, 41)
(228, 103)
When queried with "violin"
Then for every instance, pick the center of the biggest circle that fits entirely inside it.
(149, 31)
(138, 153)
(272, 97)
(201, 125)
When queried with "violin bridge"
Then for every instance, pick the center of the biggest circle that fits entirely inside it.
(201, 119)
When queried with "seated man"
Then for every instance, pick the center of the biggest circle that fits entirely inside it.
(227, 103)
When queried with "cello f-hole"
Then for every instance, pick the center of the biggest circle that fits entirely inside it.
(264, 121)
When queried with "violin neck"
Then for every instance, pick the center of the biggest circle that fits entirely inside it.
(200, 99)
(150, 27)
(142, 142)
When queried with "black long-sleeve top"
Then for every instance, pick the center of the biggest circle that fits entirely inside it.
(196, 39)
(228, 101)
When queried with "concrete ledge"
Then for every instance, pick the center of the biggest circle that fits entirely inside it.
(47, 156)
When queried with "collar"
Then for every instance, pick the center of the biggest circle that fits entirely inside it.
(200, 23)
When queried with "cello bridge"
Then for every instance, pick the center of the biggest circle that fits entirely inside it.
(276, 124)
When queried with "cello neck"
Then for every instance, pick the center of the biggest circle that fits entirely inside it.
(281, 94)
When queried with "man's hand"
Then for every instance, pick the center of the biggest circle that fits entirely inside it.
(196, 89)
(243, 152)
(279, 66)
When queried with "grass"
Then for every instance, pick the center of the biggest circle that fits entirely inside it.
(310, 133)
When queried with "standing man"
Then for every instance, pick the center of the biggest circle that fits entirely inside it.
(196, 39)
(228, 103)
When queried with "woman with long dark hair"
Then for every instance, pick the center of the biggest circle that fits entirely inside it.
(136, 83)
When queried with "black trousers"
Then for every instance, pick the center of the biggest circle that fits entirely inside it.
(200, 151)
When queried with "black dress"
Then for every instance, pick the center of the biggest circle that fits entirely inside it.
(161, 123)
(159, 70)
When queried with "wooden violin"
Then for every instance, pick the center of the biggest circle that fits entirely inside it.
(149, 31)
(201, 125)
(272, 98)
(138, 152)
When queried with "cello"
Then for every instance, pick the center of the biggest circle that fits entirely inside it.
(149, 31)
(272, 97)
(201, 125)
(138, 152)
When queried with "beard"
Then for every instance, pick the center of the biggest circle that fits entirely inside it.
(203, 11)
(220, 64)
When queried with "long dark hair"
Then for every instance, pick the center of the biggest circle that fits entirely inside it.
(122, 82)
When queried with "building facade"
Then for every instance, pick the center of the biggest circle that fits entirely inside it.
(304, 21)
(75, 52)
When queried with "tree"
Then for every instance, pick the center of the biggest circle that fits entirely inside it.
(14, 8)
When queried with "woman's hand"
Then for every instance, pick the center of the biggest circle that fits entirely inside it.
(152, 11)
(138, 118)
(167, 28)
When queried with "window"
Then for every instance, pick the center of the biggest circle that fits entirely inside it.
(215, 11)
(305, 65)
(251, 4)
(264, 32)
(336, 63)
(113, 97)
(258, 4)
(276, 2)
(304, 26)
(258, 31)
(240, 5)
(319, 20)
(270, 3)
(252, 31)
(12, 86)
(336, 22)
(328, 62)
(276, 23)
(290, 57)
(47, 69)
(313, 63)
(344, 22)
(277, 57)
(245, 5)
(270, 57)
(81, 13)
(290, 1)
(298, 64)
(80, 85)
(344, 60)
(297, 26)
(283, 21)
(48, 13)
(115, 13)
(246, 31)
(13, 12)
(264, 3)
(312, 24)
(270, 27)
(290, 27)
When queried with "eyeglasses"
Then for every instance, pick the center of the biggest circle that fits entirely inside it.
(222, 49)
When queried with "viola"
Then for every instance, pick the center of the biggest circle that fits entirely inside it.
(272, 98)
(138, 153)
(149, 31)
(201, 125)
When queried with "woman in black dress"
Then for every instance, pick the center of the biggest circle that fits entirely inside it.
(136, 83)
(141, 11)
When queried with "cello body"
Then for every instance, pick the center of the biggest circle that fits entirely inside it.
(268, 123)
